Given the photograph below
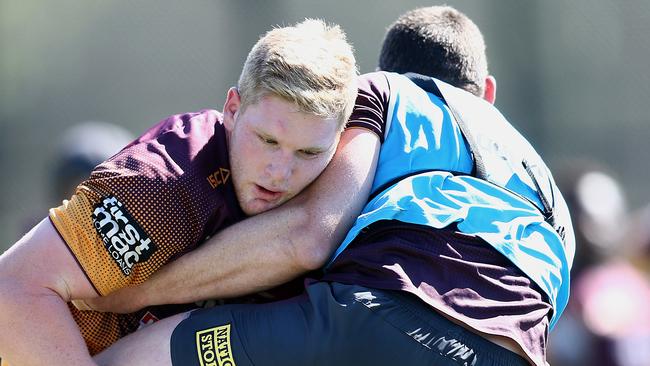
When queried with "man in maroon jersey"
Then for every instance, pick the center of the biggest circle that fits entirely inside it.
(186, 179)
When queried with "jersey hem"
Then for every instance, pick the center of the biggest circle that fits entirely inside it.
(75, 257)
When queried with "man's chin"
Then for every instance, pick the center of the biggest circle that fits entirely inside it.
(258, 206)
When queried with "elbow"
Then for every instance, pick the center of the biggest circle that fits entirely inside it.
(311, 258)
(314, 246)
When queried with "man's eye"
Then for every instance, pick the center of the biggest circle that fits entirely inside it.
(268, 141)
(309, 153)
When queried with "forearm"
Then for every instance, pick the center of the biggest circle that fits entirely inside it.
(271, 248)
(225, 268)
(36, 328)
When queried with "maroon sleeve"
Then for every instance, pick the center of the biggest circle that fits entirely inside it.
(371, 106)
(156, 199)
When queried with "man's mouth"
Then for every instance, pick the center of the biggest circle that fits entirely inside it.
(267, 194)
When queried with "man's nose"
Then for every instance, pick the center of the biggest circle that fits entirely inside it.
(280, 168)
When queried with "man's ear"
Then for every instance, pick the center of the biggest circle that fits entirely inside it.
(231, 108)
(490, 93)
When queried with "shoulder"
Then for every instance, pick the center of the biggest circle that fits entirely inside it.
(372, 103)
(172, 146)
(375, 83)
(202, 124)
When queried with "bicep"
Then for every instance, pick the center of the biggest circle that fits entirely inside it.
(351, 172)
(326, 210)
(42, 260)
(354, 163)
(340, 193)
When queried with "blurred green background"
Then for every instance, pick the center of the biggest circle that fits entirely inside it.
(572, 75)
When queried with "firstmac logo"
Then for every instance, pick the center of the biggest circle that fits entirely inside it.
(125, 240)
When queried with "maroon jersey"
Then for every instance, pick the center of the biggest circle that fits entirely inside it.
(156, 199)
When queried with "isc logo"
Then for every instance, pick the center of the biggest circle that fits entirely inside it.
(125, 240)
(219, 177)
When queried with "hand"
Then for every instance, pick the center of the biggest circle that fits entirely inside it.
(123, 301)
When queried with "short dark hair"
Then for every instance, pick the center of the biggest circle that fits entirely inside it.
(437, 41)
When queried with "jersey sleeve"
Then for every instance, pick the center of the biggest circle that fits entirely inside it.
(143, 207)
(105, 238)
(371, 106)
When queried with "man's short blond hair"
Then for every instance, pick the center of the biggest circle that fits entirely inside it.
(310, 64)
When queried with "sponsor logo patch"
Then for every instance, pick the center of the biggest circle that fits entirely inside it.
(213, 346)
(126, 242)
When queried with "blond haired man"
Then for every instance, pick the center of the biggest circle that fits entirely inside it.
(184, 180)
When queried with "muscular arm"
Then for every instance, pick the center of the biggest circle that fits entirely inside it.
(271, 248)
(38, 275)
